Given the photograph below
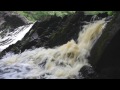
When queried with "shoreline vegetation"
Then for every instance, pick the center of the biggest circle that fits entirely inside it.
(36, 15)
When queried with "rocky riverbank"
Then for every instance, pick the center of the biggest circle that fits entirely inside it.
(55, 31)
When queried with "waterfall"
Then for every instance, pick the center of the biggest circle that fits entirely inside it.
(12, 37)
(60, 62)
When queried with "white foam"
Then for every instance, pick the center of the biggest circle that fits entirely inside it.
(13, 37)
(60, 62)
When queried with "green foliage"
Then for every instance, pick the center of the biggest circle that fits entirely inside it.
(35, 15)
(110, 13)
(97, 12)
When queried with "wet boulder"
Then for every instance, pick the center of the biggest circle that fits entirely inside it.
(50, 32)
(105, 56)
(11, 20)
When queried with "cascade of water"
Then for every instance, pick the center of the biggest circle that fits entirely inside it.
(13, 37)
(60, 62)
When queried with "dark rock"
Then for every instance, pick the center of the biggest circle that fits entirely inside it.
(105, 56)
(54, 31)
(50, 32)
(11, 20)
(15, 20)
(103, 15)
(110, 73)
(88, 72)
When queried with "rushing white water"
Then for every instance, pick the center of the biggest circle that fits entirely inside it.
(60, 62)
(13, 37)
